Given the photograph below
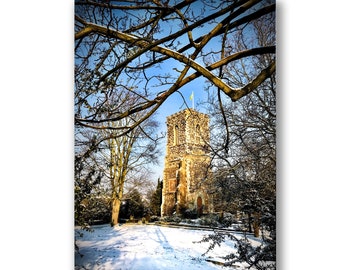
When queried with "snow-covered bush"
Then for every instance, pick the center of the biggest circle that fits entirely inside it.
(226, 220)
(209, 220)
(154, 218)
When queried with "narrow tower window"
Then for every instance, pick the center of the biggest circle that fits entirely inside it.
(197, 134)
(176, 140)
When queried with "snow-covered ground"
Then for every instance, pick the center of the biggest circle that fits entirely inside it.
(148, 247)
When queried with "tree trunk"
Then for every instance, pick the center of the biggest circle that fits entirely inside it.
(256, 224)
(249, 222)
(115, 211)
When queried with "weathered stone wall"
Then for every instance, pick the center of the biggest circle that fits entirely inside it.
(186, 163)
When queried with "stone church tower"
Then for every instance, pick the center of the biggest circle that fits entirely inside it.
(186, 171)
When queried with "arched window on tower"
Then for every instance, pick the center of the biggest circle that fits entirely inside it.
(176, 140)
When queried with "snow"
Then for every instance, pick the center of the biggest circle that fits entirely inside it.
(146, 247)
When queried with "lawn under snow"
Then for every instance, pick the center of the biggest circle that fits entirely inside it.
(148, 247)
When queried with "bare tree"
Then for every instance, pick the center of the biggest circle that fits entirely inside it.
(116, 160)
(244, 152)
(152, 49)
(127, 156)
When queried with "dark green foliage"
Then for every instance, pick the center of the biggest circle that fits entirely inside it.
(156, 199)
(190, 213)
(92, 210)
(132, 206)
(86, 182)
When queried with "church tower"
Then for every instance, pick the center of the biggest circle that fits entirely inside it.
(186, 171)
